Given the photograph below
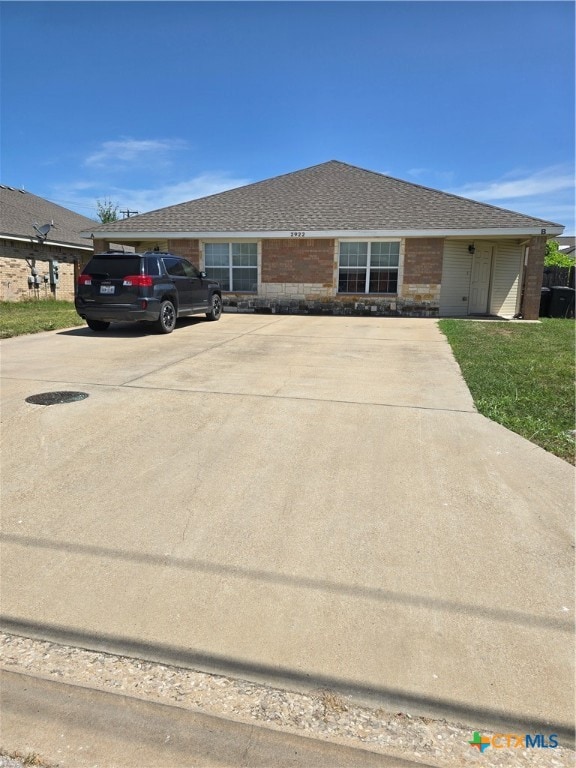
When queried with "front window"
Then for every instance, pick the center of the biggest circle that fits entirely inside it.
(234, 265)
(368, 267)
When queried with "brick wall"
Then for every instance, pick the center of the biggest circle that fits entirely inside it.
(423, 260)
(422, 272)
(299, 261)
(14, 270)
(533, 278)
(189, 249)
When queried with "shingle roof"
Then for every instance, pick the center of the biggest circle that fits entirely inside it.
(20, 210)
(567, 244)
(329, 196)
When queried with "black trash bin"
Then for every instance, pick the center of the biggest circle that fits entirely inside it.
(545, 294)
(562, 301)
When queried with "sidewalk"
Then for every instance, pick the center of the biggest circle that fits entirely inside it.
(76, 727)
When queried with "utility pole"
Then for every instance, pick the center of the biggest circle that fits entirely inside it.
(126, 214)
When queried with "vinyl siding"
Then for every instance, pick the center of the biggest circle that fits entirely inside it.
(456, 267)
(506, 272)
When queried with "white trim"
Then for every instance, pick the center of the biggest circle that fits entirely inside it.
(369, 239)
(327, 233)
(35, 241)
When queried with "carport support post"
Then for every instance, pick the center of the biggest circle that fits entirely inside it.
(534, 270)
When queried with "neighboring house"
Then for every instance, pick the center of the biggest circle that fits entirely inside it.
(567, 245)
(42, 237)
(338, 239)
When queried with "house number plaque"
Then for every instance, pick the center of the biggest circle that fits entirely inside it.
(297, 234)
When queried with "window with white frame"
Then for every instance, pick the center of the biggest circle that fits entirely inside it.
(368, 267)
(234, 265)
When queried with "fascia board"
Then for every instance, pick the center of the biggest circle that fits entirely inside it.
(35, 241)
(327, 233)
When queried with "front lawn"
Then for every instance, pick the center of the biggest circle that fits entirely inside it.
(19, 317)
(521, 375)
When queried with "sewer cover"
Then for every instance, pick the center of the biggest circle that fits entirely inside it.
(54, 398)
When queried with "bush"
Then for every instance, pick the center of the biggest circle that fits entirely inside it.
(554, 256)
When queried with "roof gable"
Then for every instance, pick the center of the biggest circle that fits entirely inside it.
(326, 197)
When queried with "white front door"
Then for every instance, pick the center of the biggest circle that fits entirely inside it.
(480, 280)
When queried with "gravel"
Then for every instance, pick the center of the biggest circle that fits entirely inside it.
(322, 714)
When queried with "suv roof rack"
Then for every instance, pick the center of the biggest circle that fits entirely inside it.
(117, 251)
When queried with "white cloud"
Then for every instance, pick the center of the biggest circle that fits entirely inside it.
(545, 194)
(431, 176)
(144, 199)
(128, 151)
(545, 182)
(209, 183)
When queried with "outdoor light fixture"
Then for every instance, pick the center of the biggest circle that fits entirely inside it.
(471, 248)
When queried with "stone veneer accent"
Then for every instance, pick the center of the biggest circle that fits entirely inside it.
(421, 292)
(295, 290)
(363, 305)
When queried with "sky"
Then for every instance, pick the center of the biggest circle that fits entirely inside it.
(149, 104)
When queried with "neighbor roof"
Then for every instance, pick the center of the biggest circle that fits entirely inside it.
(566, 244)
(20, 211)
(332, 196)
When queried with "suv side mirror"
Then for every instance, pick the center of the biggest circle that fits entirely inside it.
(203, 275)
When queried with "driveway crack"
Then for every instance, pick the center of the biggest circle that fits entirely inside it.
(197, 354)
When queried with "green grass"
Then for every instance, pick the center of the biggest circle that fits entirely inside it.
(521, 375)
(19, 317)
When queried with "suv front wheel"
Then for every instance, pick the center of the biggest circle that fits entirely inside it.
(216, 310)
(167, 318)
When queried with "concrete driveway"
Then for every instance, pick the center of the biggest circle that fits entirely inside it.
(310, 501)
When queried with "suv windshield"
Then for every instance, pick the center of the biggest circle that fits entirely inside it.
(113, 266)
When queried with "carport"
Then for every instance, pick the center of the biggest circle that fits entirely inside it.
(482, 278)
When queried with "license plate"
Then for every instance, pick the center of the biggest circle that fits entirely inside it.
(106, 289)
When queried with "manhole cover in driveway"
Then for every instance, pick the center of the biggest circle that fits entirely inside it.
(55, 398)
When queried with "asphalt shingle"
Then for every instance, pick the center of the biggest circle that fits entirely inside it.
(21, 210)
(329, 196)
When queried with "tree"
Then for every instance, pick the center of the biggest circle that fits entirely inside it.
(107, 211)
(554, 256)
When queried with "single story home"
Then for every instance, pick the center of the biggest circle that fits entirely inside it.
(338, 239)
(567, 245)
(40, 246)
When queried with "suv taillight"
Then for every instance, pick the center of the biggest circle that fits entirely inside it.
(85, 280)
(139, 281)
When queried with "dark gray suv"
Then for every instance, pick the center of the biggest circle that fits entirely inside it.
(152, 287)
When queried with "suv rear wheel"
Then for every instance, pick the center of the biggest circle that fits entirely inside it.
(216, 310)
(98, 325)
(167, 319)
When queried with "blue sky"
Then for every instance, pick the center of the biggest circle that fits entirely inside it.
(154, 103)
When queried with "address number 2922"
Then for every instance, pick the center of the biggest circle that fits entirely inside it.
(297, 234)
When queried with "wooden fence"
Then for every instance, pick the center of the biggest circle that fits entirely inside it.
(558, 276)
